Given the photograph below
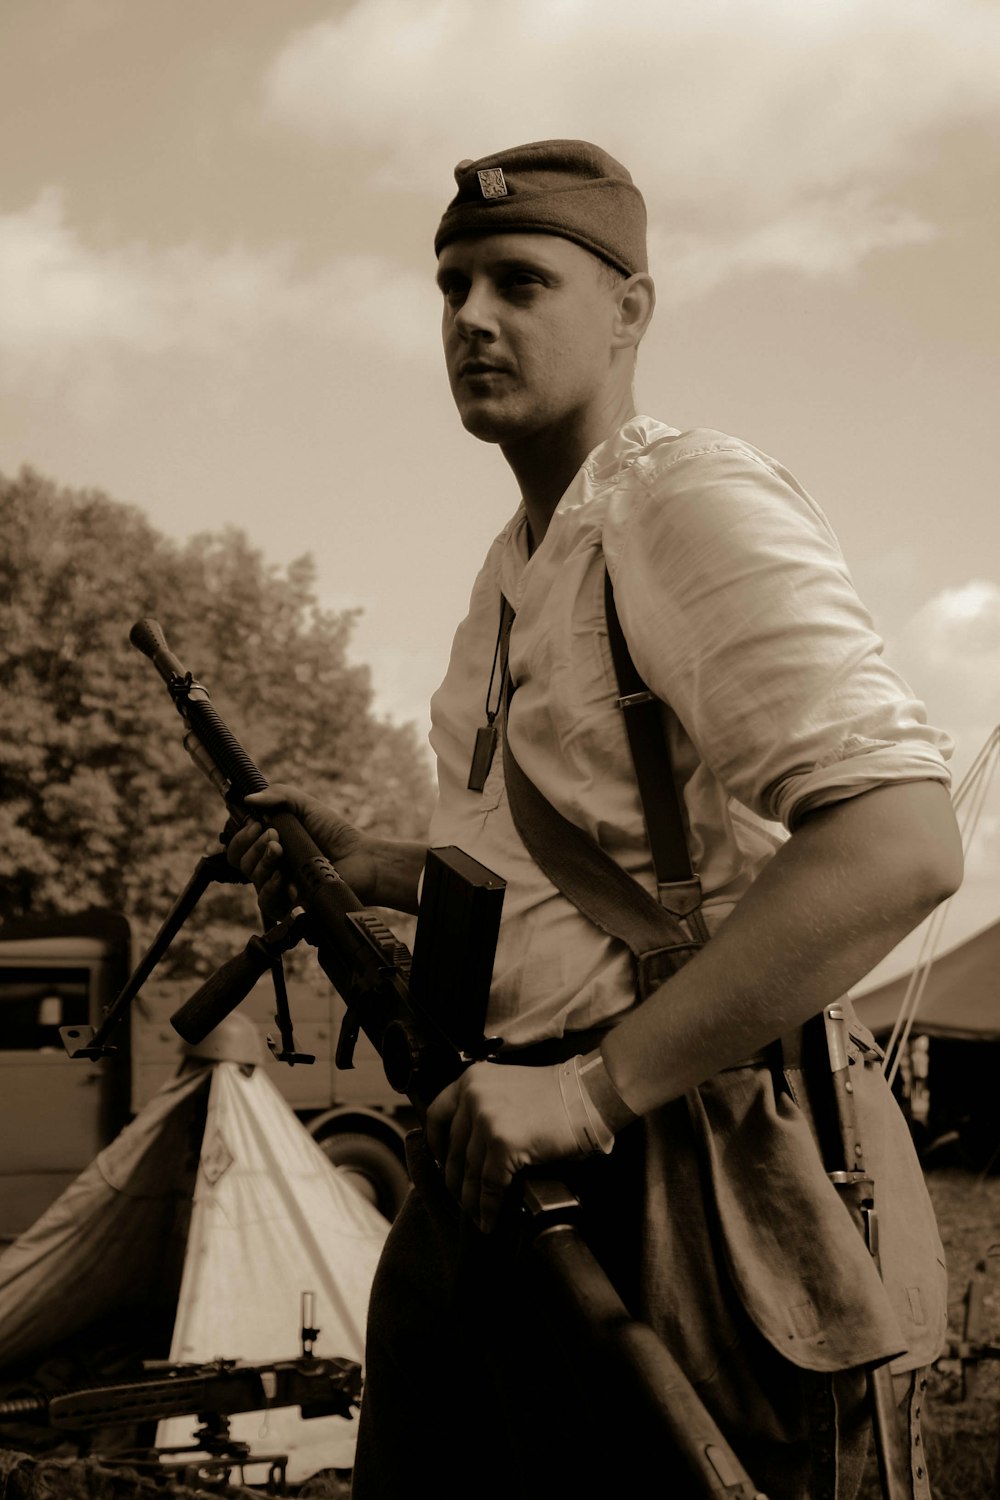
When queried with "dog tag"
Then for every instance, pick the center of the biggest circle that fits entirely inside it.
(482, 757)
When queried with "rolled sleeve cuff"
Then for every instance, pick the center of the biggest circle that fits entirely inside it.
(858, 766)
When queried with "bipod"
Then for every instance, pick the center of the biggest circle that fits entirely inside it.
(220, 1453)
(85, 1041)
(91, 1042)
(283, 1020)
(642, 1361)
(232, 983)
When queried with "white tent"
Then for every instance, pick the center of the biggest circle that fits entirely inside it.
(218, 1177)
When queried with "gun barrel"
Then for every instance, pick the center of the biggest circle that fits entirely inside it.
(147, 636)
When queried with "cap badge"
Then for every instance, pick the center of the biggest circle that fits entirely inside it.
(491, 183)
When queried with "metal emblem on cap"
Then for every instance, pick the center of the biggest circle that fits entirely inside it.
(491, 183)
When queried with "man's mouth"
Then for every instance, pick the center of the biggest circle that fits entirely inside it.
(473, 367)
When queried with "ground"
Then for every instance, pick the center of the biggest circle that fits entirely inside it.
(963, 1430)
(963, 1433)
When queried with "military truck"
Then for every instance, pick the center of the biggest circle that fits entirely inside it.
(56, 1113)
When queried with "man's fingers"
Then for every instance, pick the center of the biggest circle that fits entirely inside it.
(243, 840)
(257, 854)
(274, 898)
(491, 1122)
(458, 1146)
(468, 1189)
(486, 1176)
(496, 1175)
(264, 858)
(275, 796)
(438, 1121)
(478, 1169)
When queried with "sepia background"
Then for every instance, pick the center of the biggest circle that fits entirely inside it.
(217, 300)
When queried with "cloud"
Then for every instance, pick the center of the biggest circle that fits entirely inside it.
(950, 651)
(59, 293)
(827, 237)
(763, 132)
(67, 306)
(958, 630)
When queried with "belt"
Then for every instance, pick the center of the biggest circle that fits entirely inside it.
(556, 1049)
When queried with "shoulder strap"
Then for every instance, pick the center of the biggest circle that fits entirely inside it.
(596, 885)
(654, 930)
(678, 886)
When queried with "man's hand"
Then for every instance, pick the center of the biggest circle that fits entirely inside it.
(255, 850)
(380, 872)
(492, 1121)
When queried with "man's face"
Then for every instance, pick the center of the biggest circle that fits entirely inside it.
(527, 327)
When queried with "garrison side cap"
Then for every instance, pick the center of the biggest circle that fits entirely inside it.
(568, 188)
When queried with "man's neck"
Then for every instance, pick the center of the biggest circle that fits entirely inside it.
(545, 464)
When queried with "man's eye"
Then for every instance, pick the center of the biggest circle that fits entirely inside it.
(521, 280)
(453, 293)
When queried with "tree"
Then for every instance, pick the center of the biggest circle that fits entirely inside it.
(99, 803)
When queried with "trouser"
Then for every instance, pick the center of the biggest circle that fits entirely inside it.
(479, 1386)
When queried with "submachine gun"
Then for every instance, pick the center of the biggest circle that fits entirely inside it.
(415, 1010)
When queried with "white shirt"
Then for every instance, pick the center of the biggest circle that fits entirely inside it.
(740, 614)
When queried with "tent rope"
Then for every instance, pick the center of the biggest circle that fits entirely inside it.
(972, 789)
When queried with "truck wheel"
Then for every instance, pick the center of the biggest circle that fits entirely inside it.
(374, 1168)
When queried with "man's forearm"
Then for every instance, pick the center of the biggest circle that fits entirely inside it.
(398, 866)
(834, 900)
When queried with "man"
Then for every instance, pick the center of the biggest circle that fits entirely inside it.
(713, 1214)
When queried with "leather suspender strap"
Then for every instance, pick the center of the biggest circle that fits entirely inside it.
(599, 888)
(678, 887)
(644, 725)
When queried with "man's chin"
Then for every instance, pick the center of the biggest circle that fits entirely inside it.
(481, 428)
(491, 425)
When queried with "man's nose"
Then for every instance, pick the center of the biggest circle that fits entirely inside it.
(476, 318)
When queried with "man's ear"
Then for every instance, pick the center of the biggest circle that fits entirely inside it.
(636, 298)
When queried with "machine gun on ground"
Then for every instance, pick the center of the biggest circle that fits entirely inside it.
(222, 1387)
(212, 1392)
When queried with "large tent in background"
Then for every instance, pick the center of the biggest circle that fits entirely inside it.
(955, 1103)
(961, 996)
(211, 1213)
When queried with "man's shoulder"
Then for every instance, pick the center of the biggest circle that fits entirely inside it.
(658, 448)
(705, 485)
(699, 467)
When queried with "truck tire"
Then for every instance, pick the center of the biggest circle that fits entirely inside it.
(374, 1168)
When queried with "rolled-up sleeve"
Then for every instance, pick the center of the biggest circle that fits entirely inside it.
(741, 614)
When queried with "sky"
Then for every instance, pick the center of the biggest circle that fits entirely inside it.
(217, 299)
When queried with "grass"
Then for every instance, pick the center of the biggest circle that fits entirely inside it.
(963, 1431)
